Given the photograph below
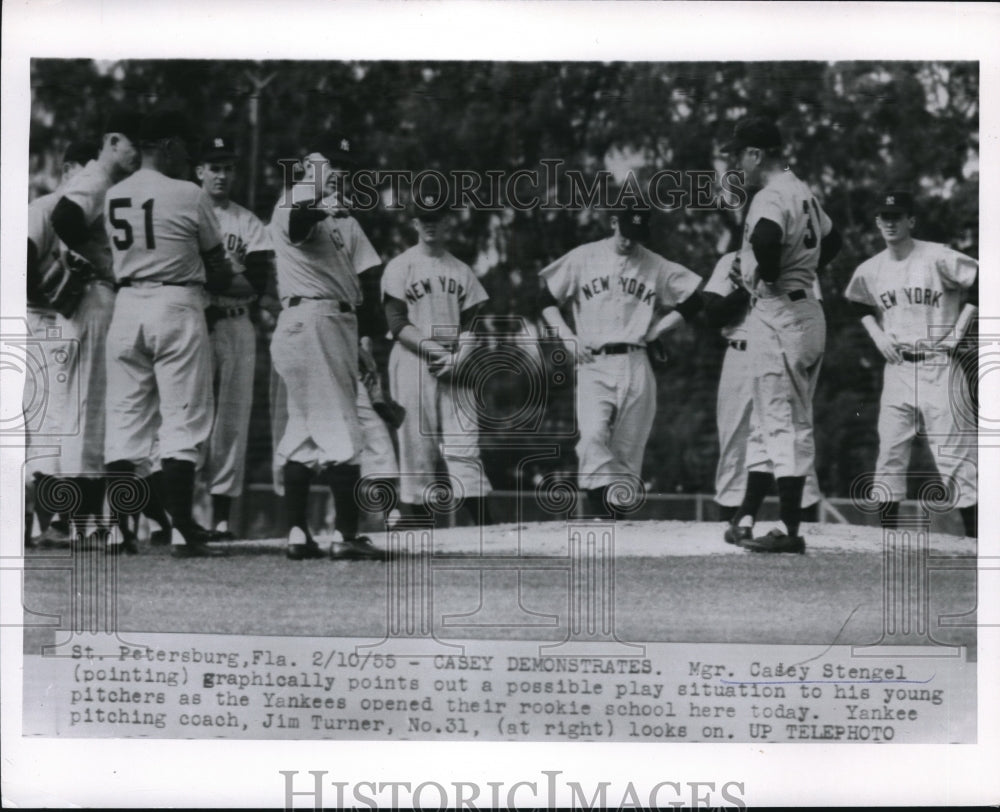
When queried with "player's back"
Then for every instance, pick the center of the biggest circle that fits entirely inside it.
(156, 225)
(40, 230)
(789, 202)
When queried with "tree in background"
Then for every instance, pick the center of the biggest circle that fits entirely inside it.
(855, 128)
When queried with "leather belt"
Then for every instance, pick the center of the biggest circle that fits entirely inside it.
(738, 345)
(344, 307)
(153, 283)
(913, 357)
(227, 312)
(617, 349)
(793, 296)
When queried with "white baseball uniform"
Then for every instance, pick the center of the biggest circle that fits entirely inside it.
(315, 343)
(436, 290)
(919, 299)
(49, 349)
(159, 359)
(786, 329)
(734, 405)
(615, 300)
(234, 346)
(83, 448)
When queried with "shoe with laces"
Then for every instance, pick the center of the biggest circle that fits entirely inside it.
(775, 542)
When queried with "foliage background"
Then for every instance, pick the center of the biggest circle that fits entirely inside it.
(854, 128)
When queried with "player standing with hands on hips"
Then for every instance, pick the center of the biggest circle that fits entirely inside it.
(617, 289)
(232, 335)
(167, 251)
(904, 295)
(787, 238)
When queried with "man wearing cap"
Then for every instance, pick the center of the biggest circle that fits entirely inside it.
(431, 299)
(319, 252)
(231, 332)
(167, 249)
(787, 238)
(79, 221)
(727, 304)
(45, 322)
(617, 289)
(916, 299)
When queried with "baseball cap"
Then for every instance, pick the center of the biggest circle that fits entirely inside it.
(338, 149)
(896, 202)
(125, 122)
(165, 123)
(431, 207)
(218, 148)
(633, 222)
(753, 131)
(80, 152)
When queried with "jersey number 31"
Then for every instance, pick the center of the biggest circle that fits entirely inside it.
(124, 240)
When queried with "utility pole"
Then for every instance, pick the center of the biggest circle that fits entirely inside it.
(257, 83)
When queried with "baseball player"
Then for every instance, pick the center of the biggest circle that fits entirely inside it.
(431, 299)
(617, 288)
(231, 332)
(44, 320)
(787, 238)
(167, 248)
(727, 303)
(319, 252)
(79, 221)
(916, 300)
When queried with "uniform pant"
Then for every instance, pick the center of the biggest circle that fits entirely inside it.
(83, 448)
(315, 351)
(159, 376)
(615, 406)
(234, 344)
(937, 391)
(440, 419)
(785, 344)
(47, 365)
(734, 410)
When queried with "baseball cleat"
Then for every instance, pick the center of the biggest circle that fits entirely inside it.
(356, 549)
(301, 547)
(221, 533)
(160, 538)
(54, 536)
(193, 544)
(737, 535)
(128, 545)
(775, 542)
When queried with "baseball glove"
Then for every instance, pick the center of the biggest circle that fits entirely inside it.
(65, 282)
(385, 407)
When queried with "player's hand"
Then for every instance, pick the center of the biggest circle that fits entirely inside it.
(890, 351)
(736, 273)
(366, 357)
(443, 366)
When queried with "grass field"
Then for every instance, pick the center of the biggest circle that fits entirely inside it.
(673, 582)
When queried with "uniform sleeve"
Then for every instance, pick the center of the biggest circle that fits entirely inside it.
(719, 282)
(393, 280)
(766, 205)
(562, 277)
(209, 232)
(676, 283)
(475, 292)
(825, 223)
(956, 269)
(86, 192)
(363, 253)
(256, 237)
(40, 230)
(857, 289)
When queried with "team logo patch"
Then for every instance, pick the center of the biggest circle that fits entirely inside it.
(890, 200)
(636, 220)
(219, 143)
(345, 145)
(428, 200)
